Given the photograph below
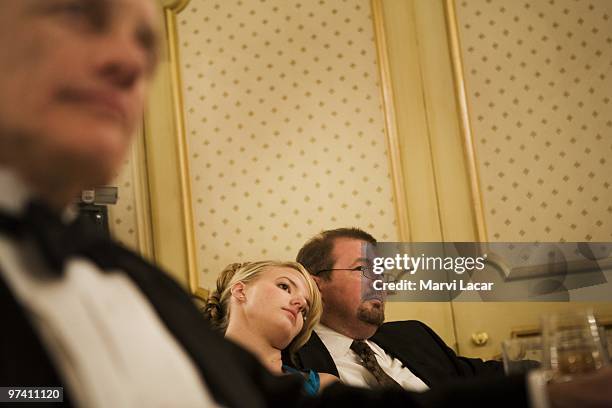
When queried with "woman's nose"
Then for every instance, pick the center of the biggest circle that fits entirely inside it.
(298, 300)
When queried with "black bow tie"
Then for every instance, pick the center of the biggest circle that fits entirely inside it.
(56, 240)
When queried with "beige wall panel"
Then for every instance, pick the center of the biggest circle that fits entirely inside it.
(167, 190)
(129, 220)
(409, 34)
(538, 83)
(455, 204)
(284, 127)
(122, 218)
(437, 315)
(411, 120)
(538, 77)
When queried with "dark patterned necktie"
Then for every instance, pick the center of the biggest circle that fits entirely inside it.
(368, 360)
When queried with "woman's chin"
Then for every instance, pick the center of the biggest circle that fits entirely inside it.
(282, 337)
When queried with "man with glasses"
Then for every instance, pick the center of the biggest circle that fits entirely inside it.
(353, 343)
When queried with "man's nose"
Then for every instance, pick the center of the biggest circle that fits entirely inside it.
(121, 60)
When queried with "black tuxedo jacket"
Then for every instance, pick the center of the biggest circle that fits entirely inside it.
(223, 366)
(233, 376)
(413, 343)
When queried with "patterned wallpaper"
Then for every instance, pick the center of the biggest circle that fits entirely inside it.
(122, 216)
(539, 83)
(284, 125)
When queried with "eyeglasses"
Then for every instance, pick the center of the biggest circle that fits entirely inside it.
(366, 271)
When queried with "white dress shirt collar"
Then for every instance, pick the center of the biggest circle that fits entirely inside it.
(336, 343)
(16, 194)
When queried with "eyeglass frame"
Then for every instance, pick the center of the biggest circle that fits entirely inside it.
(361, 268)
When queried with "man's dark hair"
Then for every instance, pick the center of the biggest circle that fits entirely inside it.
(316, 255)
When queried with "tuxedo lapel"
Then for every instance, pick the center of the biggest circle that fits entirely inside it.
(404, 352)
(208, 350)
(315, 356)
(410, 343)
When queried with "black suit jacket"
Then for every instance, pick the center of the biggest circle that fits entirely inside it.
(234, 377)
(223, 366)
(413, 343)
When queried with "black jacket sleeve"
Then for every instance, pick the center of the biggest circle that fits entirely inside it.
(509, 392)
(468, 367)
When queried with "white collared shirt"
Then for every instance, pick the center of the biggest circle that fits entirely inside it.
(352, 372)
(104, 337)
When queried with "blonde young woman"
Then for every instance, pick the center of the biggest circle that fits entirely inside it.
(267, 307)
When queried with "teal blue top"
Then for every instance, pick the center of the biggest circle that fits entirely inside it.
(312, 383)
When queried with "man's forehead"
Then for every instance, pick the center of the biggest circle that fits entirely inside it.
(348, 242)
(149, 11)
(347, 249)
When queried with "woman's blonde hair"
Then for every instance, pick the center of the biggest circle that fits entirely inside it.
(217, 310)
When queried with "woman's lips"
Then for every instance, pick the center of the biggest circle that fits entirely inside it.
(292, 313)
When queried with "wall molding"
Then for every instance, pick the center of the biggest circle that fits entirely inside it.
(167, 164)
(464, 116)
(391, 132)
(142, 198)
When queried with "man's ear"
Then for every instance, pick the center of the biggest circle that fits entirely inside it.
(317, 280)
(238, 291)
(321, 286)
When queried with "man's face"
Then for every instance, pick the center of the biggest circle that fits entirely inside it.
(342, 293)
(73, 81)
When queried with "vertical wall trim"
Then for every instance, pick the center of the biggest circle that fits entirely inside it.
(142, 198)
(167, 168)
(463, 112)
(184, 173)
(393, 149)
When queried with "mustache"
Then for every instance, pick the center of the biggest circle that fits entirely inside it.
(368, 292)
(373, 295)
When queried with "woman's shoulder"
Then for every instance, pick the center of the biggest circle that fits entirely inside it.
(326, 379)
(313, 381)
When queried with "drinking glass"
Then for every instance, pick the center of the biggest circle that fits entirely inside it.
(521, 354)
(572, 345)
